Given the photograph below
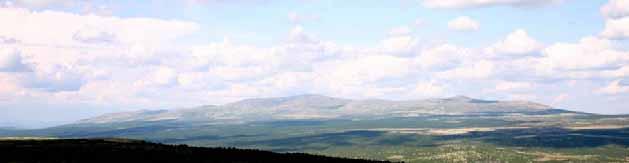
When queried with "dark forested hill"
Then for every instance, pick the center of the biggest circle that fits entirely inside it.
(124, 150)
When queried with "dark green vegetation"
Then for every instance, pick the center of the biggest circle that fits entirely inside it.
(125, 150)
(456, 129)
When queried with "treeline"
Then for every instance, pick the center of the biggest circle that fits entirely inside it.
(122, 150)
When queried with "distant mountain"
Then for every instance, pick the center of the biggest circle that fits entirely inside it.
(456, 129)
(306, 107)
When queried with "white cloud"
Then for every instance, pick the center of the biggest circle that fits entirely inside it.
(238, 63)
(399, 45)
(7, 40)
(229, 54)
(559, 99)
(616, 9)
(588, 53)
(298, 35)
(442, 57)
(366, 69)
(289, 83)
(615, 87)
(616, 28)
(73, 29)
(76, 50)
(94, 35)
(428, 90)
(8, 87)
(510, 86)
(164, 76)
(617, 73)
(479, 70)
(516, 43)
(240, 73)
(463, 23)
(90, 58)
(199, 81)
(53, 78)
(11, 61)
(304, 64)
(455, 4)
(400, 41)
(39, 3)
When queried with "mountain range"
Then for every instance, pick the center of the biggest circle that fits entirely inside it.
(455, 129)
(318, 107)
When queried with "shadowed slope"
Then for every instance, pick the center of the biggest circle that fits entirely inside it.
(125, 150)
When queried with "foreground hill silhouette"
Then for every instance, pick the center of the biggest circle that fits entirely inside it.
(125, 150)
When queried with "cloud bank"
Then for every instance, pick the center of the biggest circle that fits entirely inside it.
(140, 62)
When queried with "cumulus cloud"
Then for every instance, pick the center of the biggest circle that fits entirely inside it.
(7, 40)
(365, 69)
(479, 70)
(560, 99)
(516, 43)
(620, 72)
(39, 3)
(94, 35)
(463, 23)
(615, 9)
(428, 90)
(307, 65)
(9, 88)
(441, 57)
(91, 58)
(616, 28)
(76, 50)
(510, 86)
(615, 87)
(456, 4)
(290, 83)
(161, 76)
(53, 78)
(399, 45)
(11, 61)
(588, 53)
(298, 35)
(90, 28)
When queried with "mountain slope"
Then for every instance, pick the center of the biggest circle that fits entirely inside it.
(321, 107)
(430, 130)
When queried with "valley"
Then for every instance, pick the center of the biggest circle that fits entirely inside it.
(474, 131)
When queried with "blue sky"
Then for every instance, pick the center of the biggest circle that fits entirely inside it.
(103, 56)
(338, 20)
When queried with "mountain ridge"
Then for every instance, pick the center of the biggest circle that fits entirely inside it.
(312, 106)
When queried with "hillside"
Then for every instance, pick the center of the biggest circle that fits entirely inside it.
(125, 150)
(316, 107)
(457, 129)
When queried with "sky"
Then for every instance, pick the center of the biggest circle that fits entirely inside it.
(65, 60)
